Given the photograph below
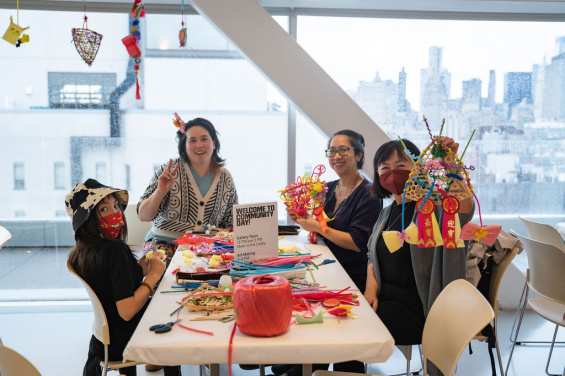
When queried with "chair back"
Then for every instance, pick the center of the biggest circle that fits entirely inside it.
(544, 233)
(100, 328)
(546, 264)
(4, 236)
(458, 314)
(12, 363)
(136, 229)
(496, 275)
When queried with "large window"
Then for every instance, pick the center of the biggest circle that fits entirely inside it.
(80, 90)
(507, 86)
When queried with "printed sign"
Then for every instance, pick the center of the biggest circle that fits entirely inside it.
(255, 232)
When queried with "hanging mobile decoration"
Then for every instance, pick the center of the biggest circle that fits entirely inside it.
(12, 35)
(439, 178)
(182, 31)
(87, 42)
(132, 40)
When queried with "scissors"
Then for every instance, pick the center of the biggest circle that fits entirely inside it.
(326, 261)
(163, 328)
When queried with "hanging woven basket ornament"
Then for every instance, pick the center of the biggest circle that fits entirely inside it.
(87, 42)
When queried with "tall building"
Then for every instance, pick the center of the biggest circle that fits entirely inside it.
(402, 91)
(553, 107)
(491, 101)
(435, 88)
(379, 99)
(517, 87)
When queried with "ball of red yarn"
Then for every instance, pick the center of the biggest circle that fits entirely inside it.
(263, 305)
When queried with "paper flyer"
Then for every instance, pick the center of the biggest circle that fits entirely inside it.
(255, 232)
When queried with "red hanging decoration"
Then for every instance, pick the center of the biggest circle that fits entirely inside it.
(425, 223)
(450, 206)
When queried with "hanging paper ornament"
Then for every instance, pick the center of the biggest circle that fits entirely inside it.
(487, 234)
(87, 42)
(394, 240)
(132, 41)
(12, 34)
(182, 31)
(451, 228)
(428, 228)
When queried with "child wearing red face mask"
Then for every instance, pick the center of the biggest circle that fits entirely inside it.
(101, 257)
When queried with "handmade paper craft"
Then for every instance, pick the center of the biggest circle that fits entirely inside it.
(12, 35)
(306, 197)
(439, 177)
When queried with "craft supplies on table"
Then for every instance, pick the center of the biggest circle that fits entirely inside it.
(337, 339)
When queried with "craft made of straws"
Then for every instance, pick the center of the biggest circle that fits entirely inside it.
(438, 172)
(87, 43)
(303, 197)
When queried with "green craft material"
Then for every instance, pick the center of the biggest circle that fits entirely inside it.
(318, 319)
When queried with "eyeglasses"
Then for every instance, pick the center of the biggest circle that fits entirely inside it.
(342, 150)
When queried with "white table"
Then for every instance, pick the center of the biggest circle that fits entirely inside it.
(336, 340)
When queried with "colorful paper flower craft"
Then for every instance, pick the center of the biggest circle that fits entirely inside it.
(12, 34)
(131, 42)
(307, 196)
(87, 42)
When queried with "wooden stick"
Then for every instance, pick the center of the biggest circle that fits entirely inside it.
(203, 318)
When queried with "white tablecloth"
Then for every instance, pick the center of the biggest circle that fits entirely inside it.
(336, 340)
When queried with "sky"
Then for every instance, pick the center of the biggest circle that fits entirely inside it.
(354, 49)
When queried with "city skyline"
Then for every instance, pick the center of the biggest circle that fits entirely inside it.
(471, 49)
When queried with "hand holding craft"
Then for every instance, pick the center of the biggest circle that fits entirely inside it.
(166, 179)
(157, 266)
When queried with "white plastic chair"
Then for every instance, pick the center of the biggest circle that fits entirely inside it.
(100, 329)
(546, 278)
(497, 273)
(12, 363)
(4, 236)
(457, 315)
(136, 229)
(547, 234)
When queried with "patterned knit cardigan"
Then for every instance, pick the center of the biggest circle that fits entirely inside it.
(184, 209)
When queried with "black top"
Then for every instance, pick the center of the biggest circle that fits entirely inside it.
(116, 276)
(397, 273)
(356, 216)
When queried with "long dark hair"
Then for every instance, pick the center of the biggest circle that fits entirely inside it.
(217, 161)
(89, 241)
(382, 155)
(356, 140)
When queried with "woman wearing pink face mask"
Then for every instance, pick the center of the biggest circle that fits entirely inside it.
(103, 259)
(402, 286)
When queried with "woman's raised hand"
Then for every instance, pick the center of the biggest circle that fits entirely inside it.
(166, 179)
(450, 143)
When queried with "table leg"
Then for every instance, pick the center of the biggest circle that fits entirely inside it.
(214, 369)
(307, 370)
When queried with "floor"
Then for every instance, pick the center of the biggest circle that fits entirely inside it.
(51, 325)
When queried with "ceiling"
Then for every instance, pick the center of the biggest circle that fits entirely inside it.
(546, 10)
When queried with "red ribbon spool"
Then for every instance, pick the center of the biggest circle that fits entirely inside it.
(263, 305)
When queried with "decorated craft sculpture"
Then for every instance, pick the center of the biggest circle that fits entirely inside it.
(306, 196)
(439, 178)
(87, 42)
(12, 35)
(132, 40)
